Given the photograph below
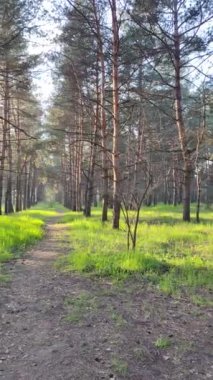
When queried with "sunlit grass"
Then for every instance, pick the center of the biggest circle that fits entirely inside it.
(16, 232)
(19, 230)
(177, 257)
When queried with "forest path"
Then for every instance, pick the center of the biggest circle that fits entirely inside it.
(65, 326)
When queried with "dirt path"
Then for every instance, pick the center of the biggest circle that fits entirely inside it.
(59, 326)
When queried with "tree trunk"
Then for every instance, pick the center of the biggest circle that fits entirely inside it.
(33, 186)
(21, 165)
(188, 171)
(187, 192)
(104, 143)
(90, 179)
(2, 162)
(165, 196)
(18, 201)
(4, 134)
(29, 179)
(8, 195)
(198, 197)
(116, 121)
(174, 184)
(102, 116)
(25, 186)
(79, 155)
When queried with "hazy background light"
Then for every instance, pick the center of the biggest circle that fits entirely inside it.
(43, 42)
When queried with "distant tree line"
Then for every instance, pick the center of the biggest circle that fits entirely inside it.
(20, 112)
(131, 119)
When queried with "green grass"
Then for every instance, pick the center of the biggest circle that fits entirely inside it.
(80, 307)
(163, 342)
(176, 256)
(119, 366)
(22, 229)
(4, 277)
(201, 301)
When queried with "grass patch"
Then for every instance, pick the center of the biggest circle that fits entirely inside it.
(201, 301)
(162, 342)
(20, 230)
(117, 318)
(79, 307)
(175, 256)
(17, 232)
(120, 366)
(4, 277)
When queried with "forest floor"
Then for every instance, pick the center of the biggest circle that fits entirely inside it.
(67, 326)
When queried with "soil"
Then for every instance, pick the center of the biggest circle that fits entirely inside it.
(64, 326)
